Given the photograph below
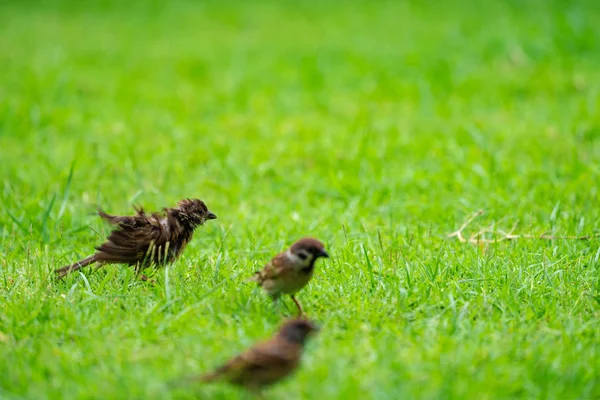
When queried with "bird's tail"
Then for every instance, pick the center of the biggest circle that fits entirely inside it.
(213, 376)
(62, 272)
(257, 277)
(190, 380)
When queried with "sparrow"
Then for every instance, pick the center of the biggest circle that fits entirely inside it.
(269, 361)
(290, 271)
(144, 239)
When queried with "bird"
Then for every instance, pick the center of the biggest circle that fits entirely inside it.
(291, 270)
(145, 239)
(267, 362)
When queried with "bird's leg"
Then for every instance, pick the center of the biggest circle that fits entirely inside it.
(143, 277)
(139, 275)
(255, 393)
(300, 312)
(98, 265)
(277, 303)
(279, 300)
(277, 306)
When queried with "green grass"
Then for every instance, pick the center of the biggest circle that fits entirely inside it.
(375, 126)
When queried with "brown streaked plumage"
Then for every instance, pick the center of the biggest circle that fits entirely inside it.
(268, 362)
(147, 239)
(291, 270)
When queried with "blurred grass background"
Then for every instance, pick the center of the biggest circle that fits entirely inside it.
(375, 126)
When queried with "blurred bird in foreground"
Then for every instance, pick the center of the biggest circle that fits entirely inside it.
(290, 271)
(268, 362)
(147, 239)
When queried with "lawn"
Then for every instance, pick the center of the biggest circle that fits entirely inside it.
(378, 127)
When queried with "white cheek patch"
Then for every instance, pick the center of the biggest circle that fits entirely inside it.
(293, 258)
(298, 261)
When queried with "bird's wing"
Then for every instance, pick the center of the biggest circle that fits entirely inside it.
(265, 362)
(274, 275)
(279, 265)
(271, 271)
(126, 220)
(133, 238)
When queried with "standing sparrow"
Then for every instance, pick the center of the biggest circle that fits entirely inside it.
(290, 271)
(269, 361)
(147, 239)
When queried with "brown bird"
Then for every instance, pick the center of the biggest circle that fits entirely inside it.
(290, 271)
(147, 239)
(269, 361)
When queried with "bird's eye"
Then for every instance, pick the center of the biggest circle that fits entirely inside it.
(302, 256)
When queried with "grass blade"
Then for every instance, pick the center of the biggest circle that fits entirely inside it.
(45, 218)
(63, 205)
(370, 266)
(15, 220)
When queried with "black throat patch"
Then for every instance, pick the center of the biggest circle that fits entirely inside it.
(308, 269)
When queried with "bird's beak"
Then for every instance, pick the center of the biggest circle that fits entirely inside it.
(323, 253)
(211, 216)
